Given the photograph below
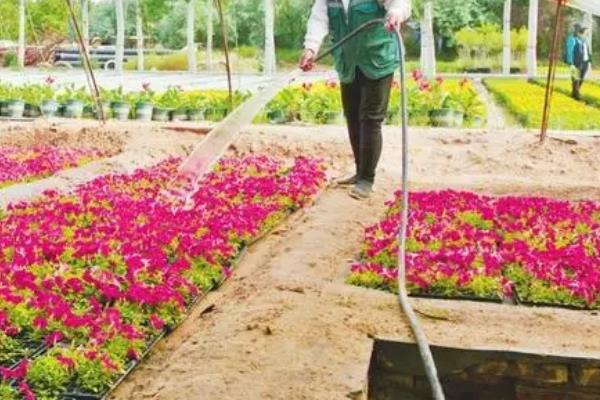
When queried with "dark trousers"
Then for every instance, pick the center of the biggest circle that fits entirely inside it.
(577, 84)
(365, 103)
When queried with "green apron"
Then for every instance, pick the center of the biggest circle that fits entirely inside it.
(374, 51)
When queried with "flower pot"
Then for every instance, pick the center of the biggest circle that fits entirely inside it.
(178, 115)
(332, 118)
(88, 112)
(442, 118)
(32, 111)
(120, 110)
(73, 109)
(419, 118)
(106, 110)
(49, 108)
(160, 114)
(196, 115)
(277, 117)
(216, 113)
(14, 108)
(477, 122)
(143, 111)
(459, 118)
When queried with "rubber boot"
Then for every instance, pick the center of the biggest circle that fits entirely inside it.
(576, 90)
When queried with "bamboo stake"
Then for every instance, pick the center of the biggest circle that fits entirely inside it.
(551, 70)
(87, 65)
(226, 48)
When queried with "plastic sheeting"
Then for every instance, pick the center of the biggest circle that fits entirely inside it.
(591, 6)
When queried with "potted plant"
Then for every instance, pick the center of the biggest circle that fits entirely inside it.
(39, 100)
(285, 107)
(166, 103)
(322, 106)
(436, 101)
(73, 101)
(119, 105)
(470, 110)
(197, 103)
(217, 105)
(142, 103)
(11, 105)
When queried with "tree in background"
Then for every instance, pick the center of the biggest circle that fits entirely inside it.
(21, 41)
(191, 35)
(120, 40)
(269, 49)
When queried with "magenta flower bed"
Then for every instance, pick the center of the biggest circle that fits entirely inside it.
(26, 164)
(88, 280)
(460, 244)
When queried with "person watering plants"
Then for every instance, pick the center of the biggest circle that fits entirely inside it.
(365, 66)
(579, 57)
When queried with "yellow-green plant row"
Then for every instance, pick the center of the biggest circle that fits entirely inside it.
(590, 92)
(525, 101)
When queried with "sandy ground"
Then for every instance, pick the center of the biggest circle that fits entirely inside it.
(287, 327)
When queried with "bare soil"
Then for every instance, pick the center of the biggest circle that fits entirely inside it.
(286, 326)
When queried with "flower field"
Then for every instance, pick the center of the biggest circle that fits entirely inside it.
(26, 164)
(90, 279)
(524, 100)
(461, 244)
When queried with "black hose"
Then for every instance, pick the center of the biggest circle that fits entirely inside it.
(403, 300)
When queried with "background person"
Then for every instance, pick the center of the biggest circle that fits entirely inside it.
(365, 66)
(579, 57)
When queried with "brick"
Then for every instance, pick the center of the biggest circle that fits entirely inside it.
(403, 381)
(587, 376)
(543, 373)
(493, 368)
(533, 393)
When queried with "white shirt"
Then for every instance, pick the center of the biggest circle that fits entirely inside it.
(318, 23)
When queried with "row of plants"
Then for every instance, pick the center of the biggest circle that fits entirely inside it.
(460, 244)
(435, 102)
(438, 102)
(525, 101)
(26, 164)
(89, 280)
(590, 91)
(35, 100)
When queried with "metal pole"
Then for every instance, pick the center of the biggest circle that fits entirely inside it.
(551, 70)
(226, 48)
(87, 65)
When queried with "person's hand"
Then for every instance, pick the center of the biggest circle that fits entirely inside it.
(307, 61)
(393, 21)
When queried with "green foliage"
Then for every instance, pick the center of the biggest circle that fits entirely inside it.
(8, 392)
(11, 350)
(445, 286)
(73, 93)
(92, 377)
(475, 220)
(484, 287)
(171, 99)
(203, 274)
(367, 279)
(534, 290)
(48, 377)
(36, 94)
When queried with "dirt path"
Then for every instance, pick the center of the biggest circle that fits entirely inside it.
(287, 327)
